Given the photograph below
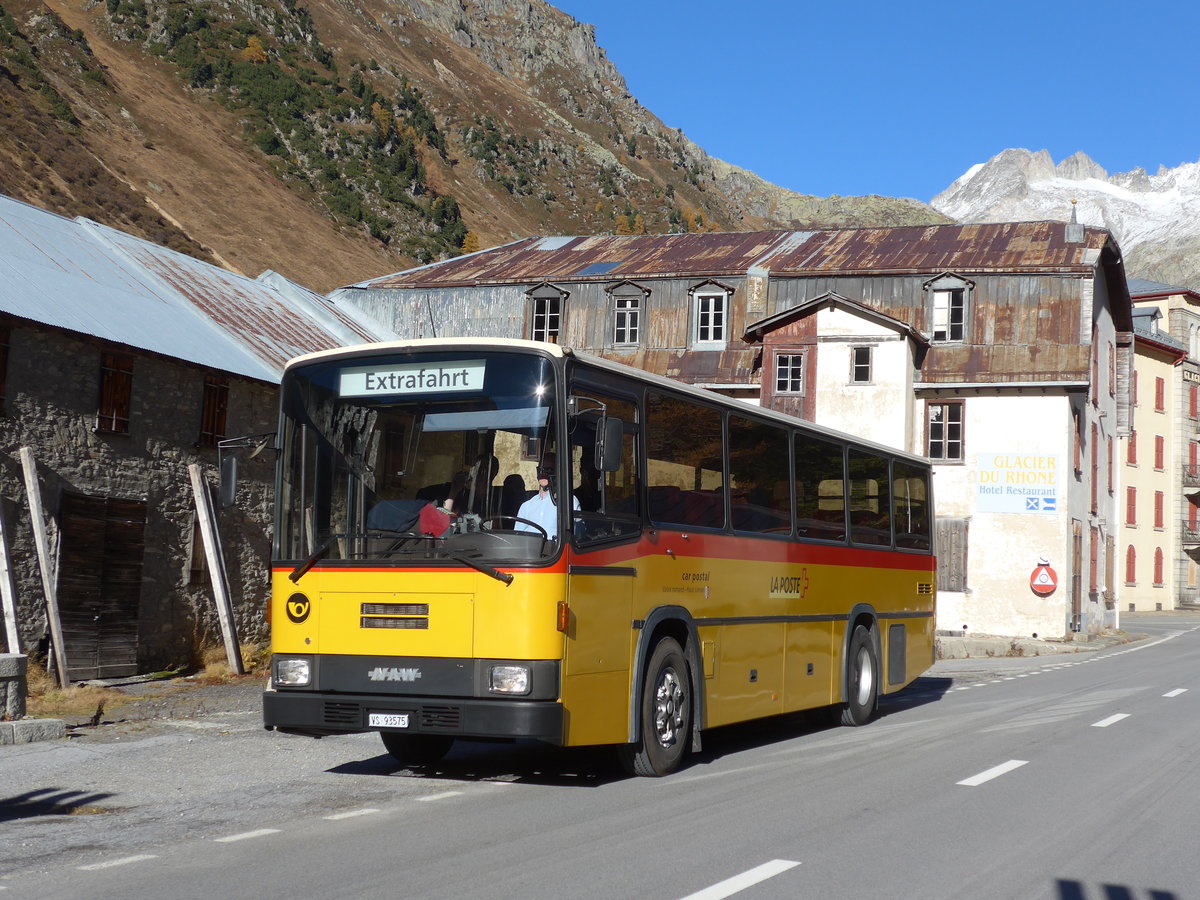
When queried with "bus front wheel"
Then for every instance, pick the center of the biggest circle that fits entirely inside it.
(416, 749)
(666, 714)
(862, 679)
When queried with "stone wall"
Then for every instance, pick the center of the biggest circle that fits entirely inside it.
(50, 405)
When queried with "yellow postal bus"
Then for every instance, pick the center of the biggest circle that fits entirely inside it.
(506, 539)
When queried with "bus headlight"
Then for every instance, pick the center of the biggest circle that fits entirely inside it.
(292, 671)
(509, 679)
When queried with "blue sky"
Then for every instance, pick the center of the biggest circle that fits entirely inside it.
(900, 99)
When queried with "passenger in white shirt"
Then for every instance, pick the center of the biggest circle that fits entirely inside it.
(541, 507)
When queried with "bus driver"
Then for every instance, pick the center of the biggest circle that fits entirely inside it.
(542, 507)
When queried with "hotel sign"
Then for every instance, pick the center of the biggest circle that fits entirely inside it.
(1030, 483)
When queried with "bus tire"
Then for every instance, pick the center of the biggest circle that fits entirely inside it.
(666, 714)
(416, 749)
(862, 679)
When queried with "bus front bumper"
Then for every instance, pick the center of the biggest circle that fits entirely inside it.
(319, 714)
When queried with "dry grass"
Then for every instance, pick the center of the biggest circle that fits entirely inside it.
(47, 700)
(215, 664)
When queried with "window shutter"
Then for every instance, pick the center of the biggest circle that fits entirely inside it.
(952, 554)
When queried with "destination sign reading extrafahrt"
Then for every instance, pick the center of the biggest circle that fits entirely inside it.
(412, 378)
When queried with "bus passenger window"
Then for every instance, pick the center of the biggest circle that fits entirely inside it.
(759, 484)
(870, 499)
(684, 472)
(820, 489)
(910, 500)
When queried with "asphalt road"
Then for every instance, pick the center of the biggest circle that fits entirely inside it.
(1070, 777)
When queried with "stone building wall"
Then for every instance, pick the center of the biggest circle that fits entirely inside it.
(52, 389)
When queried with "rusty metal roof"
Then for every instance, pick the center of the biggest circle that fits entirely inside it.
(85, 277)
(1008, 246)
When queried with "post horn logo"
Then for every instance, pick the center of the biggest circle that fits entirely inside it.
(298, 608)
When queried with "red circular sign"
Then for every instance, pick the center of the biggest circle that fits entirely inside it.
(1044, 580)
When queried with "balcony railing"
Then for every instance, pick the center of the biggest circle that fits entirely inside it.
(1190, 532)
(1191, 475)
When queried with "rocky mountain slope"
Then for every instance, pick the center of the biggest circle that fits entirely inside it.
(336, 140)
(1155, 218)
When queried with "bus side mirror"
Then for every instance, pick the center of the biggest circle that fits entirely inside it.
(608, 444)
(227, 489)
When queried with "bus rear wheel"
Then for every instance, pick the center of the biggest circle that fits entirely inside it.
(416, 749)
(862, 679)
(666, 714)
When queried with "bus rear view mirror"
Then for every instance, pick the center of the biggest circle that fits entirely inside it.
(608, 444)
(228, 483)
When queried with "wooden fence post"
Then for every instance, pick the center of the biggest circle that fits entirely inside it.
(216, 567)
(45, 563)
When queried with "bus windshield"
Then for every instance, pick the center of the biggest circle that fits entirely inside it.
(406, 458)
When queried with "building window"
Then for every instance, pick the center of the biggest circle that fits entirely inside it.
(116, 390)
(1130, 506)
(949, 315)
(789, 373)
(627, 313)
(213, 409)
(1130, 566)
(546, 309)
(709, 317)
(944, 430)
(1193, 401)
(1158, 567)
(1160, 449)
(1159, 510)
(860, 365)
(1160, 395)
(1131, 448)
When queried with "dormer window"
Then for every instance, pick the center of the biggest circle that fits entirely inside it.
(710, 315)
(948, 306)
(626, 305)
(547, 306)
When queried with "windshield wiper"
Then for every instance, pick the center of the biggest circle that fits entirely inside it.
(300, 570)
(478, 566)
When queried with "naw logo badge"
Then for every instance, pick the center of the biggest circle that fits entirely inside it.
(298, 608)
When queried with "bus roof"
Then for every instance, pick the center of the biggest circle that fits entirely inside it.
(559, 351)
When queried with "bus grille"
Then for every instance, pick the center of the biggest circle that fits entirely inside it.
(342, 713)
(925, 588)
(395, 609)
(443, 717)
(394, 615)
(392, 622)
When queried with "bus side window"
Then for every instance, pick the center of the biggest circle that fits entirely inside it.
(910, 502)
(820, 489)
(759, 483)
(684, 471)
(870, 499)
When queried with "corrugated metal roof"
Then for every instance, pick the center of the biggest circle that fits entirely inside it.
(1007, 246)
(85, 277)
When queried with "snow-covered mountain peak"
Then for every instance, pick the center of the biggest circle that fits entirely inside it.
(1155, 218)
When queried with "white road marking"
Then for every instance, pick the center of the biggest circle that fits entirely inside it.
(113, 863)
(350, 815)
(738, 883)
(246, 835)
(1176, 692)
(441, 796)
(994, 772)
(1111, 720)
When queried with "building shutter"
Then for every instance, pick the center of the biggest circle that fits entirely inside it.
(952, 554)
